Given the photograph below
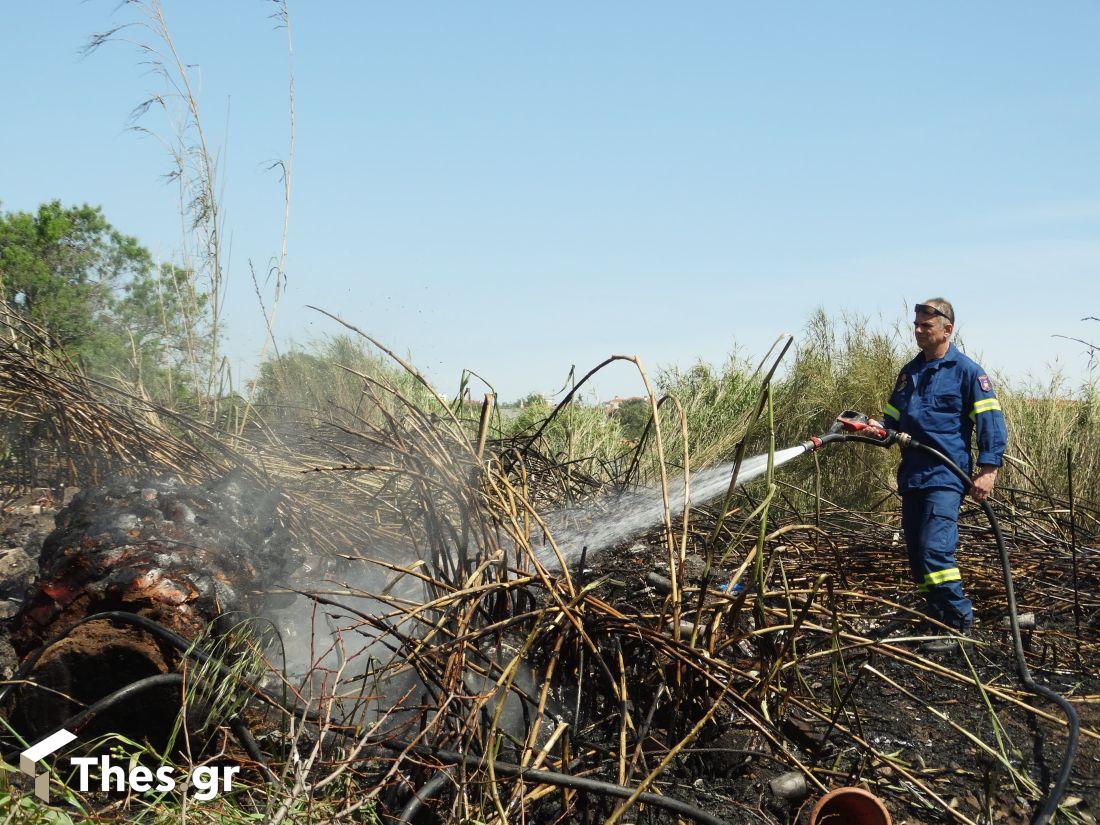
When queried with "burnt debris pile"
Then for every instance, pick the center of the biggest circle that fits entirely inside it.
(183, 554)
(192, 558)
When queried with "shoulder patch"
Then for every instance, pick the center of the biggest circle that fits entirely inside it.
(985, 383)
(903, 379)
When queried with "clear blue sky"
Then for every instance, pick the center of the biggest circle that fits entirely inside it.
(516, 188)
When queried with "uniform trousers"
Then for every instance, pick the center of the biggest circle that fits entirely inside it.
(930, 523)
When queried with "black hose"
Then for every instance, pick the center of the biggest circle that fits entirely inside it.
(75, 722)
(561, 780)
(420, 796)
(78, 720)
(1049, 804)
(252, 747)
(165, 634)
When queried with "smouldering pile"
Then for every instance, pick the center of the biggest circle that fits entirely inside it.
(191, 558)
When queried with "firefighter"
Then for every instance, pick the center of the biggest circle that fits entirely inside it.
(942, 398)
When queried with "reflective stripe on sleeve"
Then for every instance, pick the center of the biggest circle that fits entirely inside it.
(985, 405)
(951, 574)
(892, 411)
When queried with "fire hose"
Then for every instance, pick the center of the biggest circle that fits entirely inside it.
(852, 426)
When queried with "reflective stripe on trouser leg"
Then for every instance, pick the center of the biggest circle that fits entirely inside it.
(950, 574)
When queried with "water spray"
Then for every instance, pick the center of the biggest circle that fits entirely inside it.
(852, 426)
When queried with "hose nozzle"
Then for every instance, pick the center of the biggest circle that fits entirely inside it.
(851, 425)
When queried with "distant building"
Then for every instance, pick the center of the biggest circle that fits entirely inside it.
(613, 405)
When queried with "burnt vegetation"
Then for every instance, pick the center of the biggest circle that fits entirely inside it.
(358, 598)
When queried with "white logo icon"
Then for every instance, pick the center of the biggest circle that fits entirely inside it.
(28, 758)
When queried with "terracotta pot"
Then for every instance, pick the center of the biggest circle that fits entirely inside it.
(849, 806)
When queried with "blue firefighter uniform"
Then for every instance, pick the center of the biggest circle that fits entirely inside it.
(942, 403)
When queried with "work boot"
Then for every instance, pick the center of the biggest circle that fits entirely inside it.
(950, 644)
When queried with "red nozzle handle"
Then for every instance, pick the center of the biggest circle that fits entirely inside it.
(858, 423)
(867, 429)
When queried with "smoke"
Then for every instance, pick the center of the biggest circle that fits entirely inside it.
(316, 634)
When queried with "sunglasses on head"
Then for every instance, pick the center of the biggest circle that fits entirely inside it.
(928, 309)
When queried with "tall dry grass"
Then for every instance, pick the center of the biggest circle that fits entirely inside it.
(846, 362)
(1047, 422)
(581, 435)
(328, 382)
(718, 403)
(840, 363)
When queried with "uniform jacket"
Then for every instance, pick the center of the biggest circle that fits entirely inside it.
(942, 403)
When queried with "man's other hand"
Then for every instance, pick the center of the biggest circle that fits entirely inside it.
(984, 480)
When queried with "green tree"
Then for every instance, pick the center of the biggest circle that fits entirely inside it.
(633, 415)
(98, 294)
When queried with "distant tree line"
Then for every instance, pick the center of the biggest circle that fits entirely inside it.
(102, 297)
